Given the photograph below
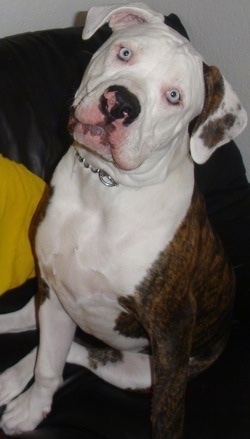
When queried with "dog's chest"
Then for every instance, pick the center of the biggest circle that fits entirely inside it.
(97, 243)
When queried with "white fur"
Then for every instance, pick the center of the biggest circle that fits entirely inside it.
(106, 252)
(21, 320)
(96, 244)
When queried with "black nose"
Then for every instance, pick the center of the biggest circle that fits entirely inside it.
(118, 102)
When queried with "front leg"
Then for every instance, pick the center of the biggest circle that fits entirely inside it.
(56, 334)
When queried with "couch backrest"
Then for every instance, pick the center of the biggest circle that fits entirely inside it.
(39, 74)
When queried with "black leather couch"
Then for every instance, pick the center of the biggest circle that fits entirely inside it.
(39, 73)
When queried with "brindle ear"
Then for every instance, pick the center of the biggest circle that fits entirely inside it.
(221, 119)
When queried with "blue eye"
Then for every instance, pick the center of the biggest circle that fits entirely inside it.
(125, 54)
(173, 96)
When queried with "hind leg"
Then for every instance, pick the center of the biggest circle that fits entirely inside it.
(57, 330)
(22, 320)
(127, 370)
(14, 379)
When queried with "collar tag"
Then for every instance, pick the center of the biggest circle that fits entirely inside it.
(104, 177)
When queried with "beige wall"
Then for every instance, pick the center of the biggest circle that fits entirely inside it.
(219, 29)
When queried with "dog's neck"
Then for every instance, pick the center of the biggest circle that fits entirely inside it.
(104, 177)
(153, 173)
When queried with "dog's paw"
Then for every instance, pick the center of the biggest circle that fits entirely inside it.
(26, 411)
(11, 385)
(14, 379)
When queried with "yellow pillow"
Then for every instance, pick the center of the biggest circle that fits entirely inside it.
(20, 193)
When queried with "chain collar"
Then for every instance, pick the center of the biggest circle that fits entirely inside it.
(104, 177)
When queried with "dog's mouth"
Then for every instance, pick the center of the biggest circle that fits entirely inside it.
(94, 130)
(103, 126)
(75, 125)
(94, 137)
(85, 131)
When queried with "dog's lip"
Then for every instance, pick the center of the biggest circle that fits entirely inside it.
(77, 125)
(101, 132)
(95, 130)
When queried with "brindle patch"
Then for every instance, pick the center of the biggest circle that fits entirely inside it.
(43, 291)
(127, 325)
(40, 212)
(184, 304)
(192, 276)
(214, 89)
(46, 202)
(101, 357)
(214, 93)
(214, 131)
(38, 217)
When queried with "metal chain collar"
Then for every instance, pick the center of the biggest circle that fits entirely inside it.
(104, 177)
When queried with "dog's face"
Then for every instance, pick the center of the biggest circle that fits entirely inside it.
(140, 92)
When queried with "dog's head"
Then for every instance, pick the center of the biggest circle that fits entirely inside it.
(142, 89)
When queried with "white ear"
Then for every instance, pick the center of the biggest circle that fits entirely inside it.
(221, 119)
(119, 16)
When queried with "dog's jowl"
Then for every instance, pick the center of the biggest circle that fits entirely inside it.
(125, 246)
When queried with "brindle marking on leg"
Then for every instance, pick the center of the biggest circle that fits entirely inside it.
(46, 202)
(39, 215)
(40, 212)
(127, 325)
(184, 303)
(43, 291)
(36, 220)
(176, 273)
(212, 286)
(101, 356)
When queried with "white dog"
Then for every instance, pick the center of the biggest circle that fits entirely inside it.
(125, 249)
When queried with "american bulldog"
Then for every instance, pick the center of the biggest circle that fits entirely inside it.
(125, 249)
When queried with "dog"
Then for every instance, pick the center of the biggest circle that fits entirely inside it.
(125, 249)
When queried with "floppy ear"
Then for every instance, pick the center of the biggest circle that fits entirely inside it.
(221, 119)
(119, 16)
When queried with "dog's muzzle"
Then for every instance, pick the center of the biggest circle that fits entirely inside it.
(117, 102)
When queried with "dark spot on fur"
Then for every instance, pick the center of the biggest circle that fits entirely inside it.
(127, 325)
(43, 291)
(38, 216)
(214, 131)
(214, 89)
(214, 93)
(41, 209)
(39, 213)
(102, 356)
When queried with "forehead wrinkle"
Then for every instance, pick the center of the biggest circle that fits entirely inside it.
(151, 31)
(157, 47)
(153, 34)
(171, 68)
